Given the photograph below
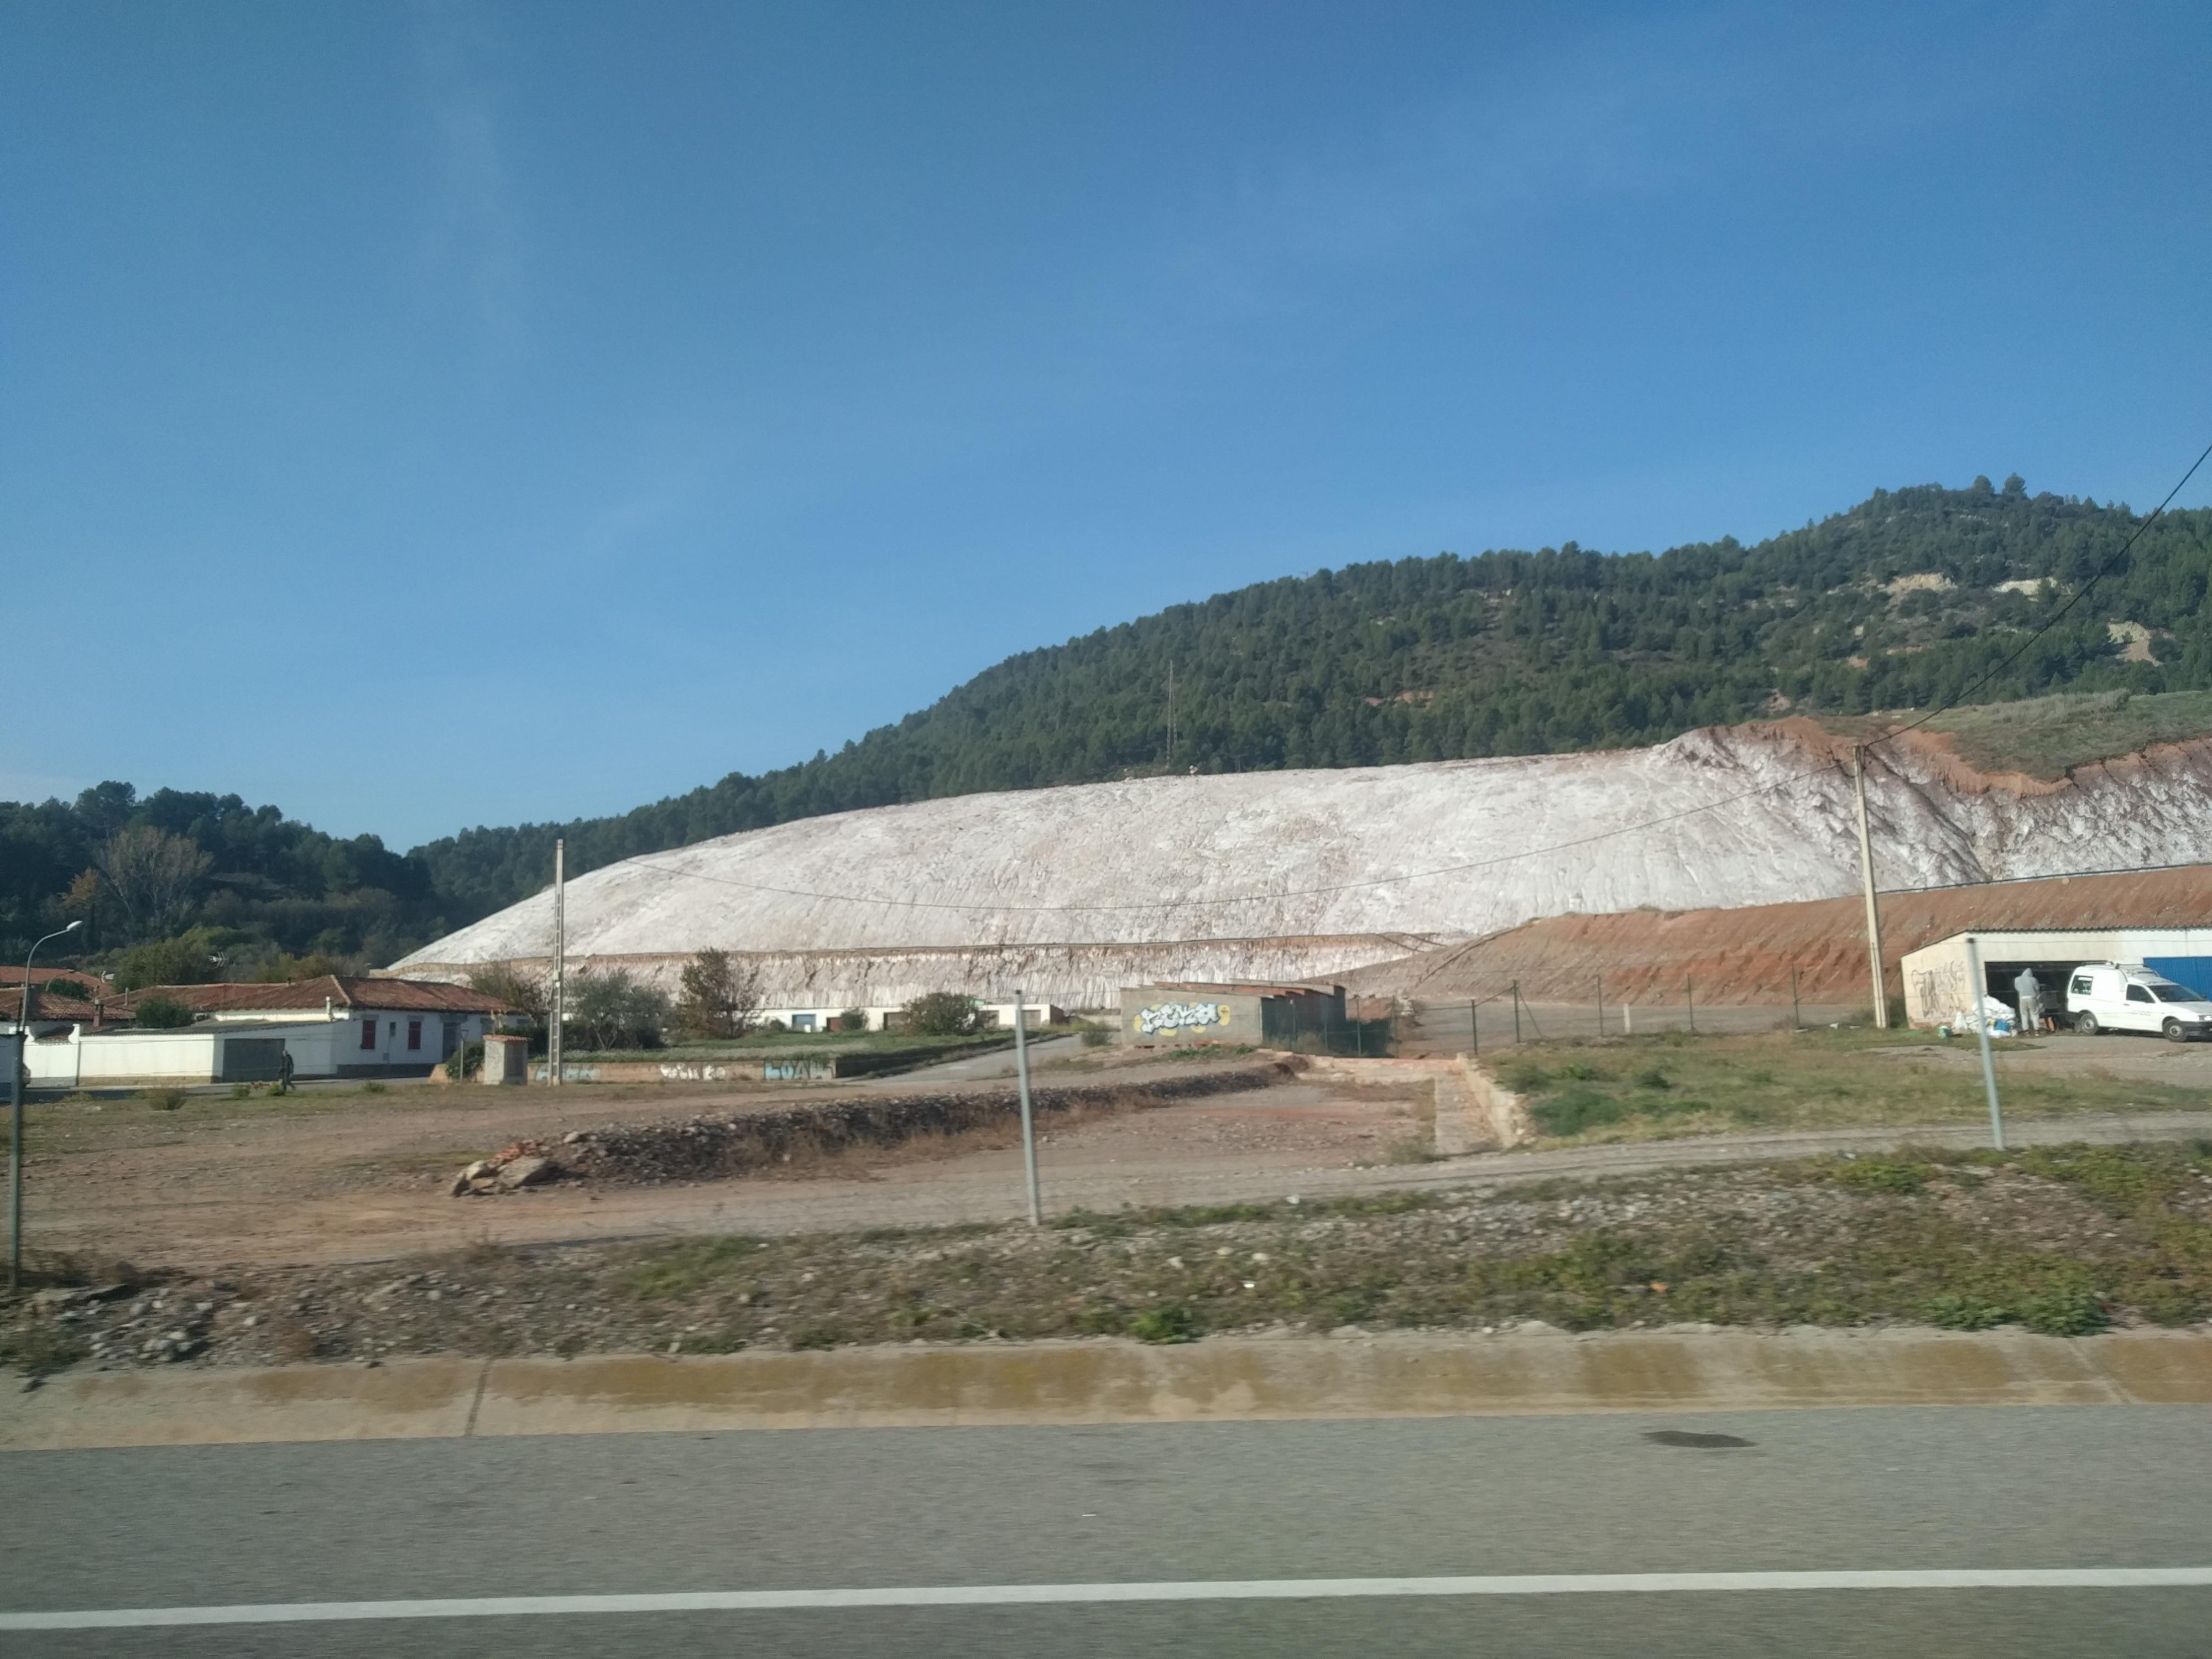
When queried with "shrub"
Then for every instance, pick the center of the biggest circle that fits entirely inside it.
(613, 1009)
(464, 1060)
(162, 1014)
(1172, 1323)
(718, 996)
(1096, 1036)
(1573, 1110)
(1653, 1078)
(941, 1013)
(852, 1020)
(163, 1100)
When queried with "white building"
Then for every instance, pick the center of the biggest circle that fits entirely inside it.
(990, 1016)
(1937, 979)
(334, 1026)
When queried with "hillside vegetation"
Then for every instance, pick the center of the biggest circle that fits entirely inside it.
(1904, 601)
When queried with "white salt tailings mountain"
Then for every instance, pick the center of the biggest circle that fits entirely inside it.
(1075, 891)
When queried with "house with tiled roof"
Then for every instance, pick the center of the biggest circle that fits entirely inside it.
(336, 1025)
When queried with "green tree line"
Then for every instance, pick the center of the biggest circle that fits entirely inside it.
(1506, 652)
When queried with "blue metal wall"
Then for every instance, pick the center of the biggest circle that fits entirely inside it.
(2195, 972)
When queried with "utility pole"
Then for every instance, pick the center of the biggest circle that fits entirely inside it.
(1029, 1125)
(1982, 1029)
(17, 1059)
(560, 960)
(1171, 731)
(1866, 875)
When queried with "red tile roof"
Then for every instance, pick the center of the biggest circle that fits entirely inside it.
(341, 990)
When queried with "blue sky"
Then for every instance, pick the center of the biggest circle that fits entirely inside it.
(426, 414)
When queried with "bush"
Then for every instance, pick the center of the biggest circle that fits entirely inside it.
(164, 1100)
(465, 1061)
(1573, 1110)
(1096, 1036)
(1173, 1323)
(162, 1014)
(852, 1020)
(718, 997)
(941, 1013)
(614, 1009)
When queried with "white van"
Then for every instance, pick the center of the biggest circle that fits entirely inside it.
(2126, 996)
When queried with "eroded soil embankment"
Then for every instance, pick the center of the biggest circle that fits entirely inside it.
(804, 1137)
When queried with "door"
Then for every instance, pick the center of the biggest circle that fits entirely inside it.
(252, 1060)
(2141, 1009)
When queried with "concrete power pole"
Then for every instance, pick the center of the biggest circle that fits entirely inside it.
(1866, 874)
(560, 960)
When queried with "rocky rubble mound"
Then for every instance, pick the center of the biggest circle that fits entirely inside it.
(525, 1163)
(718, 1147)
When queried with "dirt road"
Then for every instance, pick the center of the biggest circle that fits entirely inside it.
(354, 1177)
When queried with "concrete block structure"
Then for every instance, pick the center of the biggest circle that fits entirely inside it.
(1181, 1014)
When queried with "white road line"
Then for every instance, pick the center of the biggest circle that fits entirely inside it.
(1229, 1590)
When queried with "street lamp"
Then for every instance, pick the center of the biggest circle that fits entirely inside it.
(15, 1118)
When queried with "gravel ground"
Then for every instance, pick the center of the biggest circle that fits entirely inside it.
(2061, 1239)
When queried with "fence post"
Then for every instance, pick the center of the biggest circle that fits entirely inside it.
(1796, 1020)
(1689, 1000)
(1473, 1029)
(1601, 1005)
(1516, 1013)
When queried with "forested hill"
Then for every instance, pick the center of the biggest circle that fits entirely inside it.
(1906, 599)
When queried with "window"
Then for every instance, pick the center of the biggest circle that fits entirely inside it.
(802, 1022)
(2168, 993)
(414, 1033)
(2137, 993)
(2082, 985)
(368, 1034)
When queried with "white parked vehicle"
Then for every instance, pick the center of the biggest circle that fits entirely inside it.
(2126, 996)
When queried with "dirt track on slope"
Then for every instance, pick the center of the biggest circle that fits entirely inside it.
(1745, 955)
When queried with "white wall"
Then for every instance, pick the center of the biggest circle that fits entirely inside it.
(1937, 981)
(190, 1054)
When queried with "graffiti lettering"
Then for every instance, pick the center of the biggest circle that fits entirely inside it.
(1181, 1016)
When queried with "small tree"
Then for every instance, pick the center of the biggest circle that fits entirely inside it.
(940, 1013)
(852, 1020)
(162, 1014)
(614, 1009)
(153, 874)
(524, 992)
(720, 995)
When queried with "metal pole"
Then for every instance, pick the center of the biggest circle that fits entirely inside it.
(1796, 1020)
(560, 960)
(1866, 876)
(15, 1159)
(1689, 1000)
(1473, 1029)
(1516, 1013)
(1982, 1031)
(16, 1116)
(1028, 1126)
(1601, 1005)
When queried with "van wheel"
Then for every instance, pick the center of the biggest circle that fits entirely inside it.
(2173, 1031)
(2087, 1025)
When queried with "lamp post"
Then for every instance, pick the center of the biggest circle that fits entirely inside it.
(15, 1119)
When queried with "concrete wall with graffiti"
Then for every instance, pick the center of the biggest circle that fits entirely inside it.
(1152, 1015)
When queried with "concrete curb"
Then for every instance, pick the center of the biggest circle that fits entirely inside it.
(1218, 1380)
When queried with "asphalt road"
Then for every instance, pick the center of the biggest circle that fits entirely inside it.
(2067, 1487)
